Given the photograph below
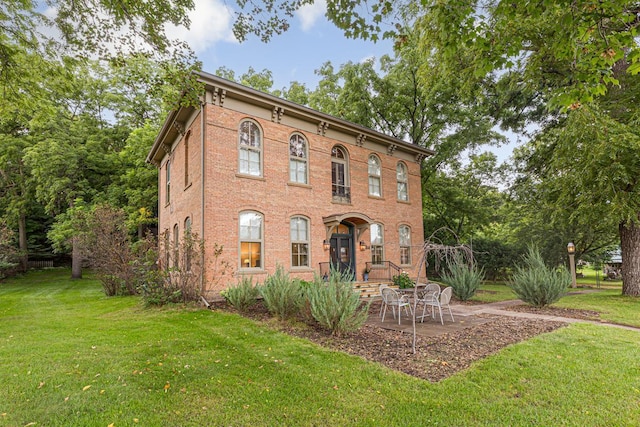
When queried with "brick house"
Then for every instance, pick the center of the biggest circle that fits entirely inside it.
(275, 182)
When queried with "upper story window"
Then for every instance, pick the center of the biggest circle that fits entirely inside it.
(299, 231)
(404, 235)
(377, 244)
(375, 176)
(168, 185)
(403, 182)
(186, 159)
(250, 149)
(340, 175)
(298, 159)
(251, 236)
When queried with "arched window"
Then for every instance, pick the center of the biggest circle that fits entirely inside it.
(403, 182)
(251, 235)
(377, 244)
(340, 175)
(250, 149)
(298, 159)
(176, 244)
(299, 232)
(404, 234)
(375, 176)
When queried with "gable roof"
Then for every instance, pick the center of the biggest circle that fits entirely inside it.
(224, 89)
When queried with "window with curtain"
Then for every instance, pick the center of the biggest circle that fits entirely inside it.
(251, 236)
(250, 149)
(403, 182)
(404, 233)
(340, 175)
(375, 176)
(377, 244)
(298, 159)
(299, 232)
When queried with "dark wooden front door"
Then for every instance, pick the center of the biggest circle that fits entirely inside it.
(341, 252)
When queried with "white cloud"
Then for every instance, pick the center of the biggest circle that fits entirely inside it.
(211, 22)
(310, 13)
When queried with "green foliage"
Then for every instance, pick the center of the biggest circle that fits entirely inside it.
(403, 281)
(243, 295)
(496, 256)
(463, 278)
(8, 252)
(537, 284)
(335, 305)
(282, 295)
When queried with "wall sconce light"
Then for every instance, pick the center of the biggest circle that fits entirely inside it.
(325, 245)
(363, 247)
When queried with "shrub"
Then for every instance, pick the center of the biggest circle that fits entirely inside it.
(282, 295)
(243, 295)
(537, 284)
(8, 252)
(463, 278)
(335, 305)
(403, 281)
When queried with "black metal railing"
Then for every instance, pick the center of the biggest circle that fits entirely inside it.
(325, 268)
(382, 271)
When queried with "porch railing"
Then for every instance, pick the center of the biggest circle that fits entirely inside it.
(382, 271)
(377, 272)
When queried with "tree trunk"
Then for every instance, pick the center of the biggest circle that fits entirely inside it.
(76, 259)
(22, 241)
(630, 245)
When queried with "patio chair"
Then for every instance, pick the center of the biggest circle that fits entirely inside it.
(427, 295)
(438, 302)
(380, 288)
(393, 299)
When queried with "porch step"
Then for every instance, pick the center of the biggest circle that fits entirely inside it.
(370, 290)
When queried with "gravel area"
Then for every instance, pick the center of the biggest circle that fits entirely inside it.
(437, 357)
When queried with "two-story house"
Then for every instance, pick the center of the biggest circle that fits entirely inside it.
(274, 182)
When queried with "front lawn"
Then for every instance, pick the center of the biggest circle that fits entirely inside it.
(72, 357)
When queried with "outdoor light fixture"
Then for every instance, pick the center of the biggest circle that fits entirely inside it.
(571, 248)
(325, 245)
(363, 247)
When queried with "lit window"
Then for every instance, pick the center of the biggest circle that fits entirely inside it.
(299, 231)
(403, 182)
(250, 240)
(250, 152)
(404, 233)
(377, 244)
(298, 159)
(375, 171)
(340, 175)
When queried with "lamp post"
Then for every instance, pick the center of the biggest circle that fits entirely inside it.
(571, 249)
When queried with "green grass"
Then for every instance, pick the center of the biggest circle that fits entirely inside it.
(72, 357)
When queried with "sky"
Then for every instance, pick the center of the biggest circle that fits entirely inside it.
(293, 56)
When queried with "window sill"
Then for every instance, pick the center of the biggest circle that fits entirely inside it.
(257, 178)
(406, 202)
(301, 270)
(376, 197)
(298, 184)
(246, 271)
(340, 201)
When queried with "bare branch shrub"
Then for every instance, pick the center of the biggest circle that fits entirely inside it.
(109, 251)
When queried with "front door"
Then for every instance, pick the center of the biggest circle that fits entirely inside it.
(341, 250)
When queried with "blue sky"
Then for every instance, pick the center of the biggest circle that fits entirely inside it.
(310, 41)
